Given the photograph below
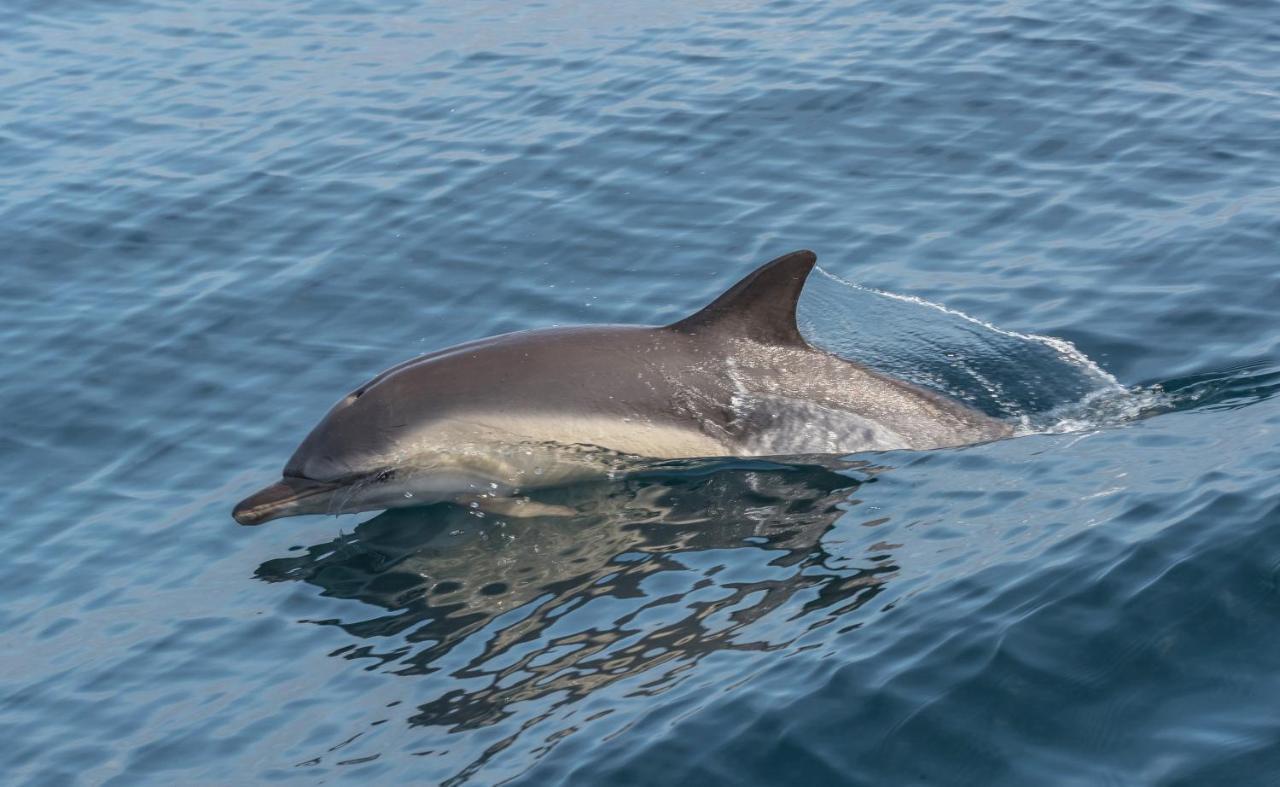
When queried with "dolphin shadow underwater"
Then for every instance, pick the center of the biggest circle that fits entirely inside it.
(447, 583)
(484, 423)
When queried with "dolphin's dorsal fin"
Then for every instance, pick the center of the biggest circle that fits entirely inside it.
(762, 306)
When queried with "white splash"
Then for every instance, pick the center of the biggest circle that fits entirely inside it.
(1109, 403)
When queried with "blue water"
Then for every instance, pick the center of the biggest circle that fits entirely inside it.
(217, 218)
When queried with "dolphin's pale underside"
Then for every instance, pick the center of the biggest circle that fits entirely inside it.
(538, 408)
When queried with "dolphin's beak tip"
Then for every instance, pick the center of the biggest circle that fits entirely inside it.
(263, 505)
(244, 515)
(277, 500)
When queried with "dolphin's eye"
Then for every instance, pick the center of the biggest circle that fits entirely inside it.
(385, 475)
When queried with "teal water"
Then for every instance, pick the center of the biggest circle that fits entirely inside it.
(215, 219)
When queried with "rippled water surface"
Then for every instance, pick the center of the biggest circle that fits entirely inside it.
(217, 218)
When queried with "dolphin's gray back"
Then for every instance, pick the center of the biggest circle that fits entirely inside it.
(735, 378)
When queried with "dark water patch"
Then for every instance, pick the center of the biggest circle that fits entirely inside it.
(1237, 387)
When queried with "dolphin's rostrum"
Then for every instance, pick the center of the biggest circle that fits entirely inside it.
(532, 409)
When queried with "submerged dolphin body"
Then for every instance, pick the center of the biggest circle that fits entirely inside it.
(539, 408)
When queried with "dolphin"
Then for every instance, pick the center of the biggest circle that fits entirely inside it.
(484, 421)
